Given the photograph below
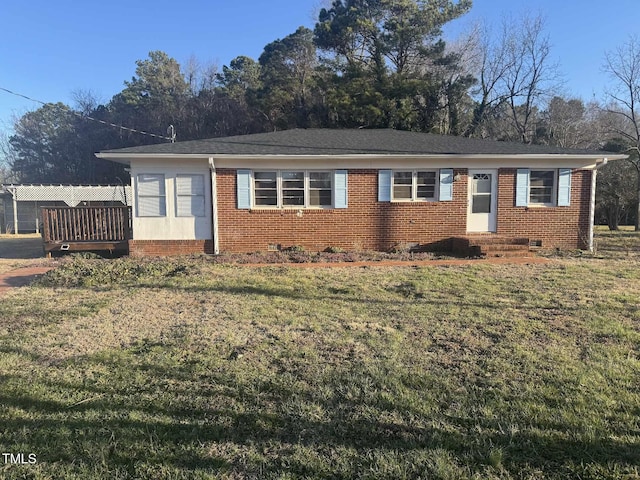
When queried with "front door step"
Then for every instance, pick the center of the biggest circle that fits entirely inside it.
(491, 246)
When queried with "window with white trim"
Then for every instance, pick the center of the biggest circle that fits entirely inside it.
(190, 195)
(320, 189)
(542, 187)
(414, 185)
(151, 195)
(265, 189)
(293, 189)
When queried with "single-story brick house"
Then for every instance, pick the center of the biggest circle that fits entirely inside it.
(357, 190)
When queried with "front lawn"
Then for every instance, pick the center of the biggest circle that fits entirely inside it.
(180, 369)
(623, 242)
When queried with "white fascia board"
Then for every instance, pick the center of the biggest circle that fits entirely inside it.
(589, 161)
(159, 165)
(127, 158)
(411, 161)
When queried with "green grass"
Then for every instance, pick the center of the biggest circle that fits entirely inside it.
(181, 369)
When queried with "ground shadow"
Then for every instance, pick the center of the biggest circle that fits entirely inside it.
(125, 424)
(21, 247)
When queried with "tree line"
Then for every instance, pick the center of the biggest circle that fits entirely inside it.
(366, 64)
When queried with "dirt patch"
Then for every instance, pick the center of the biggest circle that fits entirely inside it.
(20, 277)
(412, 263)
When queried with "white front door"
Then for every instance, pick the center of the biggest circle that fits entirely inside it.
(481, 213)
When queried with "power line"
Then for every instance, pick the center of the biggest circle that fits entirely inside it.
(88, 117)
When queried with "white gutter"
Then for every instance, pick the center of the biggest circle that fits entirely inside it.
(592, 202)
(214, 206)
(374, 156)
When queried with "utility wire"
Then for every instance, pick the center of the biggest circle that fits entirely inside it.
(88, 117)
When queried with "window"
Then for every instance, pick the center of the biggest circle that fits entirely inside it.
(403, 185)
(190, 196)
(541, 187)
(266, 189)
(426, 185)
(293, 189)
(481, 193)
(320, 189)
(151, 195)
(414, 185)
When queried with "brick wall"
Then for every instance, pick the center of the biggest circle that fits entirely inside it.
(371, 225)
(151, 248)
(556, 227)
(366, 225)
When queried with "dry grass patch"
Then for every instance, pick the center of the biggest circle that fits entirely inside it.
(8, 265)
(186, 369)
(616, 244)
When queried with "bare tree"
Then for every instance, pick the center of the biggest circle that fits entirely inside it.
(569, 123)
(85, 101)
(7, 158)
(198, 75)
(488, 61)
(623, 66)
(516, 75)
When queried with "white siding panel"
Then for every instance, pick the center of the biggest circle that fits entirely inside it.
(171, 226)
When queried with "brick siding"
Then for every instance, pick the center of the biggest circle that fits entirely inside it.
(371, 225)
(365, 225)
(556, 227)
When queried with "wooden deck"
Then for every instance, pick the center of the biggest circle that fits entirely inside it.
(86, 228)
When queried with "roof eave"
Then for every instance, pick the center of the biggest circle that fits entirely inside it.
(127, 157)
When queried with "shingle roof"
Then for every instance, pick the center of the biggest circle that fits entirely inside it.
(347, 142)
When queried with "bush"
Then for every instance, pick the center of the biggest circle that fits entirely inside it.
(87, 271)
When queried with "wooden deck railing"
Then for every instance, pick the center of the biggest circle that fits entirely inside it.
(85, 224)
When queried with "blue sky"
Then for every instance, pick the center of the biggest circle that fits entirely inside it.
(49, 49)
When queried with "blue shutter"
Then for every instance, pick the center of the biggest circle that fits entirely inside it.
(564, 187)
(384, 185)
(244, 189)
(446, 185)
(340, 195)
(522, 187)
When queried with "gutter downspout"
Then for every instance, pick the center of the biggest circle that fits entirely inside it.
(592, 203)
(214, 207)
